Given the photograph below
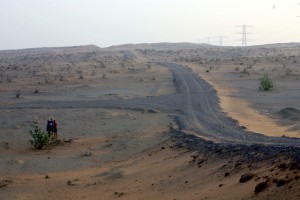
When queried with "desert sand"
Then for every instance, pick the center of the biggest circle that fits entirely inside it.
(122, 137)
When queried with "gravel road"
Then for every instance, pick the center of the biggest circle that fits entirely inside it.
(195, 105)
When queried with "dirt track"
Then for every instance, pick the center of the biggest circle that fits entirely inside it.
(195, 105)
(201, 114)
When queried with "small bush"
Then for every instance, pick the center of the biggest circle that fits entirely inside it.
(266, 83)
(47, 79)
(9, 79)
(18, 93)
(39, 138)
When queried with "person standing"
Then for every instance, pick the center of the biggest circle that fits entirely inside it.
(55, 128)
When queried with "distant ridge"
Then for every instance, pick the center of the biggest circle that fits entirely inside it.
(279, 45)
(158, 46)
(67, 49)
(155, 46)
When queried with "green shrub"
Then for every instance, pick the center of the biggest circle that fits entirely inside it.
(39, 138)
(266, 83)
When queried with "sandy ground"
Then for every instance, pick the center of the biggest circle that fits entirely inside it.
(255, 118)
(126, 154)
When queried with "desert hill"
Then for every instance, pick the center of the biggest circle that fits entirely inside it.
(158, 46)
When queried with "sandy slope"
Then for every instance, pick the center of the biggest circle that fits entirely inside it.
(160, 172)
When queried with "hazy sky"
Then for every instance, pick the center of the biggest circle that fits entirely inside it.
(41, 23)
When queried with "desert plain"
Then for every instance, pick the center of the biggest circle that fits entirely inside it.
(151, 121)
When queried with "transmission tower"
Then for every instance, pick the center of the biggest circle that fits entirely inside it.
(244, 33)
(205, 40)
(221, 39)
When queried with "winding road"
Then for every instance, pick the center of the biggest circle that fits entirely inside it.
(195, 105)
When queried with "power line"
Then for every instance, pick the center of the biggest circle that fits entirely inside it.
(206, 40)
(244, 33)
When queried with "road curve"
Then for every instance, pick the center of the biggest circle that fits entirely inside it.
(201, 114)
(195, 105)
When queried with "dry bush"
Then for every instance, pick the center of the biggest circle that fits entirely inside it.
(8, 79)
(18, 93)
(47, 79)
(288, 71)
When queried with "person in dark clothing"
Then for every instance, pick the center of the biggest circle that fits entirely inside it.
(50, 126)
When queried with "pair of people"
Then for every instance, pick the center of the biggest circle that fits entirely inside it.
(52, 127)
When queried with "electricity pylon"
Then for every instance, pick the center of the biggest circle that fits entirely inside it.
(244, 33)
(221, 40)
